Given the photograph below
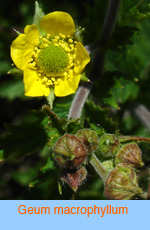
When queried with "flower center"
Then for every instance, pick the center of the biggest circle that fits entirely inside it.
(53, 59)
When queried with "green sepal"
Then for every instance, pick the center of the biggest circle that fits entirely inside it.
(51, 97)
(37, 17)
(78, 34)
(15, 71)
(84, 78)
(17, 32)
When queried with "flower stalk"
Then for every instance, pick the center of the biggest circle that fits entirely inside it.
(99, 168)
(124, 139)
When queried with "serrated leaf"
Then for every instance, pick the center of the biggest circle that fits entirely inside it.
(122, 36)
(98, 119)
(24, 138)
(48, 166)
(135, 10)
(112, 102)
(54, 121)
(121, 91)
(56, 127)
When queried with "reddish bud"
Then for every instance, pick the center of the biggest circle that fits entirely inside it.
(121, 184)
(89, 138)
(130, 154)
(70, 152)
(108, 145)
(74, 179)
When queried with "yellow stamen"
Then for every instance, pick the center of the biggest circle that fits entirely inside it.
(45, 42)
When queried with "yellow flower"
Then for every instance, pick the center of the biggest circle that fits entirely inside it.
(51, 60)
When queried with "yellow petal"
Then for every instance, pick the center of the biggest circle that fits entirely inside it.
(33, 84)
(68, 86)
(82, 58)
(23, 45)
(58, 22)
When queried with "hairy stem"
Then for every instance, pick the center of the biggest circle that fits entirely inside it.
(79, 100)
(97, 69)
(124, 139)
(99, 168)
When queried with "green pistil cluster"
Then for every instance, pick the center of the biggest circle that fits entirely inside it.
(53, 59)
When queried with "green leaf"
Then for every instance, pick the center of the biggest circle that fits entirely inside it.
(135, 10)
(46, 183)
(54, 121)
(112, 102)
(24, 177)
(57, 127)
(131, 60)
(128, 6)
(98, 119)
(48, 177)
(122, 35)
(122, 91)
(24, 138)
(49, 165)
(62, 106)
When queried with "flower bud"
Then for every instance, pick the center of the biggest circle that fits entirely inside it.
(130, 154)
(108, 145)
(121, 184)
(74, 178)
(70, 152)
(89, 138)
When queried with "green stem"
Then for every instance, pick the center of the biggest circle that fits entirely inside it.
(99, 168)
